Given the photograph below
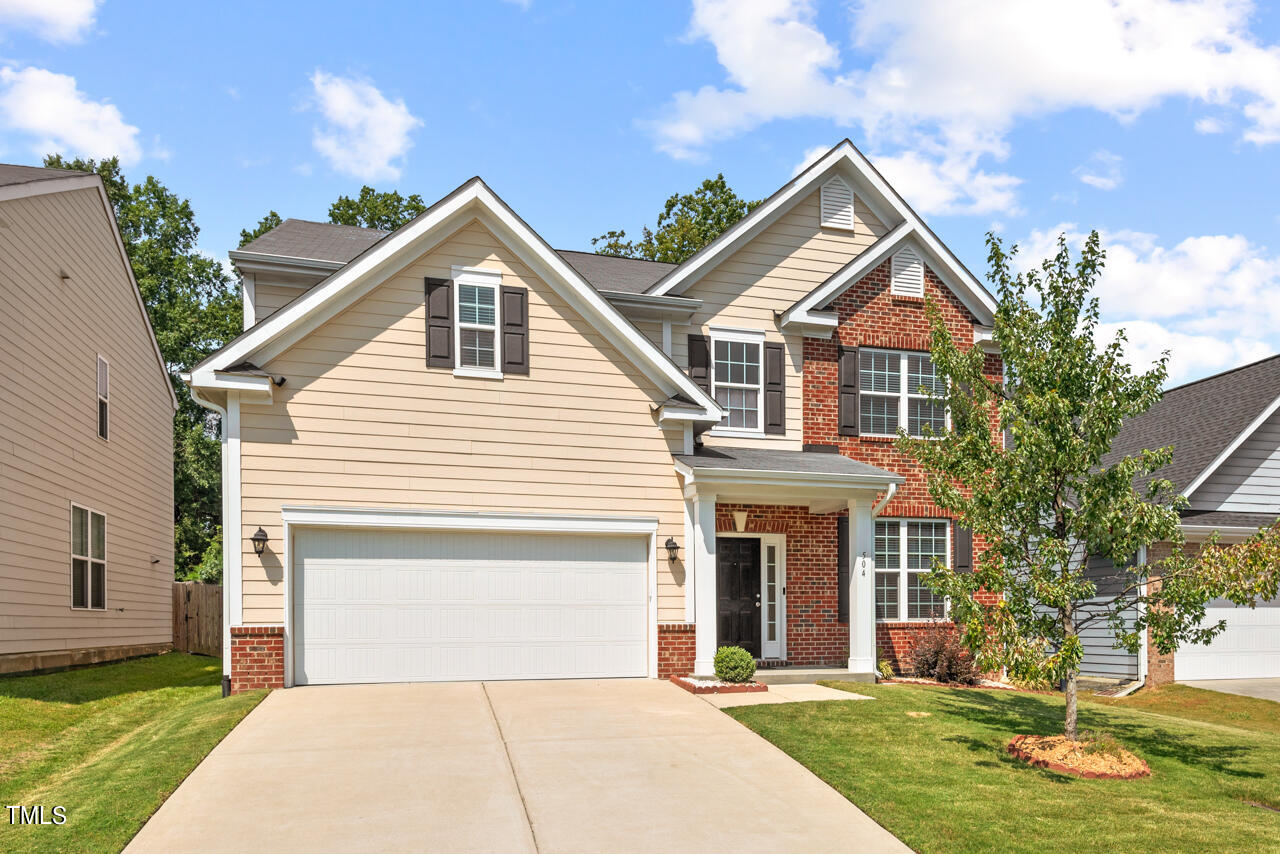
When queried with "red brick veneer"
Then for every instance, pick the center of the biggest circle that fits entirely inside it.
(257, 658)
(675, 649)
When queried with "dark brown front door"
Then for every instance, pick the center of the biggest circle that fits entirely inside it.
(738, 593)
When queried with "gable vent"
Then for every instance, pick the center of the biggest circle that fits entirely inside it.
(908, 274)
(837, 204)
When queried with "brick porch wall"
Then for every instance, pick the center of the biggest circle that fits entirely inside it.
(675, 649)
(257, 658)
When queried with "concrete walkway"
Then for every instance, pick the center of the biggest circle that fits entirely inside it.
(609, 765)
(1265, 689)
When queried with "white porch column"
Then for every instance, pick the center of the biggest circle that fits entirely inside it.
(862, 587)
(704, 605)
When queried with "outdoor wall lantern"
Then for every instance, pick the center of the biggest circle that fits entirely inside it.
(259, 540)
(673, 550)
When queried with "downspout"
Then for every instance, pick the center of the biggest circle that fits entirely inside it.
(1142, 649)
(226, 589)
(888, 496)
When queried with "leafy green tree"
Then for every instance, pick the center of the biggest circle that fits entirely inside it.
(193, 309)
(372, 209)
(268, 222)
(687, 223)
(1052, 497)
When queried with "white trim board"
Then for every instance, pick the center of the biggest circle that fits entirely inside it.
(473, 200)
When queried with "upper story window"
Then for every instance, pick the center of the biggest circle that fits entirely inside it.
(737, 378)
(905, 550)
(104, 394)
(837, 204)
(477, 326)
(890, 393)
(907, 279)
(88, 558)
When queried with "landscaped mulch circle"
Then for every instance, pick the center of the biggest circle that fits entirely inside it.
(1059, 753)
(715, 686)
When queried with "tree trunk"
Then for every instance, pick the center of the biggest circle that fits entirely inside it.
(1071, 707)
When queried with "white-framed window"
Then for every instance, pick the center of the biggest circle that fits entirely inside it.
(890, 396)
(737, 380)
(904, 553)
(479, 346)
(104, 396)
(88, 559)
(836, 203)
(907, 279)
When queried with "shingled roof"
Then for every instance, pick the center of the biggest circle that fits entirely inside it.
(1200, 419)
(11, 174)
(324, 241)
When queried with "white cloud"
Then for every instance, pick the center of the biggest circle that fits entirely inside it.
(1208, 124)
(51, 111)
(365, 131)
(1205, 298)
(948, 79)
(1102, 171)
(950, 183)
(51, 20)
(810, 157)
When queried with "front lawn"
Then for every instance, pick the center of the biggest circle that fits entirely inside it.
(108, 743)
(1197, 704)
(941, 780)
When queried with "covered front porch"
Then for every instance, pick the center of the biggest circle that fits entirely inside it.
(780, 558)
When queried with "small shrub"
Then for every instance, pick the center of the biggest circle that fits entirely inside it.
(734, 664)
(938, 654)
(885, 669)
(1102, 742)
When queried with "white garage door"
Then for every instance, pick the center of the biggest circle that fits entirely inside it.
(401, 606)
(1249, 648)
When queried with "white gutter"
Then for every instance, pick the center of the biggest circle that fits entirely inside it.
(888, 496)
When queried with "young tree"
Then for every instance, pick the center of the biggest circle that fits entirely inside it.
(1052, 496)
(193, 310)
(687, 223)
(372, 209)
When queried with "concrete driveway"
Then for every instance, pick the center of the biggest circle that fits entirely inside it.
(1266, 689)
(608, 765)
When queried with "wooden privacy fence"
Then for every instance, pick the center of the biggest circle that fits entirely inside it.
(197, 617)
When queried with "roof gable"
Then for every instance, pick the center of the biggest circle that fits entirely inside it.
(473, 200)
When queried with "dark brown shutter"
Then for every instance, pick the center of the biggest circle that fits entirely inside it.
(439, 323)
(775, 389)
(964, 549)
(515, 330)
(848, 405)
(842, 574)
(700, 361)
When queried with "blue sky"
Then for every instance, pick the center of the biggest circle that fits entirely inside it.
(1156, 122)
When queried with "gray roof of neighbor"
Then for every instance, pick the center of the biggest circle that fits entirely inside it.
(1228, 519)
(11, 174)
(324, 241)
(1200, 419)
(318, 241)
(767, 459)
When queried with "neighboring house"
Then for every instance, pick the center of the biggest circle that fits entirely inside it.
(86, 434)
(1225, 435)
(466, 455)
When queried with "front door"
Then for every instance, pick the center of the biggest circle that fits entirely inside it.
(738, 592)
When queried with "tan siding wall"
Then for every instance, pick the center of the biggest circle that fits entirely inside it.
(269, 298)
(770, 273)
(51, 332)
(362, 422)
(1249, 480)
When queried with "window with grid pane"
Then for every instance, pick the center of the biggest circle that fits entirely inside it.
(895, 389)
(925, 542)
(736, 375)
(888, 566)
(88, 559)
(104, 394)
(905, 550)
(477, 326)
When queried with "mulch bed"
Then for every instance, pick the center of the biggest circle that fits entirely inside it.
(984, 685)
(713, 686)
(1058, 753)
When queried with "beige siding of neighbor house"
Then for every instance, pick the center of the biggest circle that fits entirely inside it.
(770, 273)
(51, 333)
(362, 422)
(1249, 480)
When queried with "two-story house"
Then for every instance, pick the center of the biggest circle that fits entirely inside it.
(453, 452)
(86, 434)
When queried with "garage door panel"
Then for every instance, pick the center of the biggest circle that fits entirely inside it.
(1249, 647)
(418, 605)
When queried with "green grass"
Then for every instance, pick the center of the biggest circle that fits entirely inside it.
(943, 782)
(1197, 704)
(108, 743)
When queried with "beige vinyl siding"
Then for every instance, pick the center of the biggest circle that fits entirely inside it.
(362, 422)
(1249, 480)
(51, 332)
(770, 273)
(268, 298)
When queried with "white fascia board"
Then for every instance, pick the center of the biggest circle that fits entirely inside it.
(285, 260)
(452, 520)
(252, 389)
(984, 337)
(1228, 533)
(1231, 448)
(871, 258)
(720, 478)
(473, 200)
